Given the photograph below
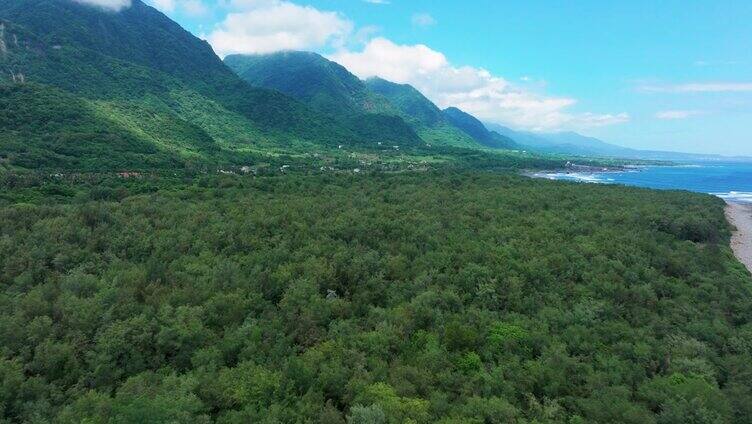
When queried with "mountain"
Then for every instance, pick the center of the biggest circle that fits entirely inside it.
(330, 89)
(311, 78)
(475, 128)
(424, 116)
(562, 143)
(572, 143)
(44, 127)
(141, 76)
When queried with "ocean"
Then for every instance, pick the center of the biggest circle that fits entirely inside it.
(730, 181)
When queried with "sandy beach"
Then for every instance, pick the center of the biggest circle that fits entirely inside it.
(740, 216)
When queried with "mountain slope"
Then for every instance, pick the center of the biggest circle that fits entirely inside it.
(137, 34)
(475, 128)
(137, 63)
(330, 89)
(409, 101)
(570, 143)
(311, 78)
(50, 128)
(424, 116)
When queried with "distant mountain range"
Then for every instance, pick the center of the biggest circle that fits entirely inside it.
(572, 143)
(330, 88)
(476, 129)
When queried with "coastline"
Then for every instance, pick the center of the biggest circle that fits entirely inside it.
(582, 173)
(740, 216)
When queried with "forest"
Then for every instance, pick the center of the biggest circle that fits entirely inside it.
(436, 297)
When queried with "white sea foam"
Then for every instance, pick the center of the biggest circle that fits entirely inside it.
(574, 176)
(736, 196)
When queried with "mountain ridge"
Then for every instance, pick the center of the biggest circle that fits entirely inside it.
(176, 78)
(573, 143)
(329, 87)
(424, 116)
(307, 76)
(476, 129)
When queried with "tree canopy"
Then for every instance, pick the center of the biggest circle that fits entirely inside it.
(405, 298)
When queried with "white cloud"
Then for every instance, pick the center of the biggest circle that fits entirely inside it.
(113, 5)
(705, 63)
(191, 7)
(677, 114)
(266, 26)
(194, 7)
(377, 1)
(423, 20)
(473, 90)
(364, 34)
(387, 60)
(701, 87)
(248, 4)
(164, 5)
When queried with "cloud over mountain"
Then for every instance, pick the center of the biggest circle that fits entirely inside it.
(475, 90)
(191, 7)
(114, 5)
(265, 26)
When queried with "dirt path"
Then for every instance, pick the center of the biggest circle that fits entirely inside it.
(740, 216)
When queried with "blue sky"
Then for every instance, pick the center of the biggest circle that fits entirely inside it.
(672, 75)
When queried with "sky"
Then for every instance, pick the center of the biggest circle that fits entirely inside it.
(662, 75)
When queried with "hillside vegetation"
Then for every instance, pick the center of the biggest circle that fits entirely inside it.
(438, 297)
(330, 89)
(477, 130)
(171, 91)
(424, 116)
(309, 77)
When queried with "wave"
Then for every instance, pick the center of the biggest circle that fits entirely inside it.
(574, 176)
(736, 196)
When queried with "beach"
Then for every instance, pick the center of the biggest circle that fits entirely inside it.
(740, 216)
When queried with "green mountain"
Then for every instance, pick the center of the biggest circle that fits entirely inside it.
(424, 116)
(475, 128)
(311, 78)
(45, 127)
(143, 77)
(330, 89)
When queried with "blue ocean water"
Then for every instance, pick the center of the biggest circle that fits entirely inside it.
(731, 181)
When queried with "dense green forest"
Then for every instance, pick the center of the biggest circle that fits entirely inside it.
(178, 245)
(447, 297)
